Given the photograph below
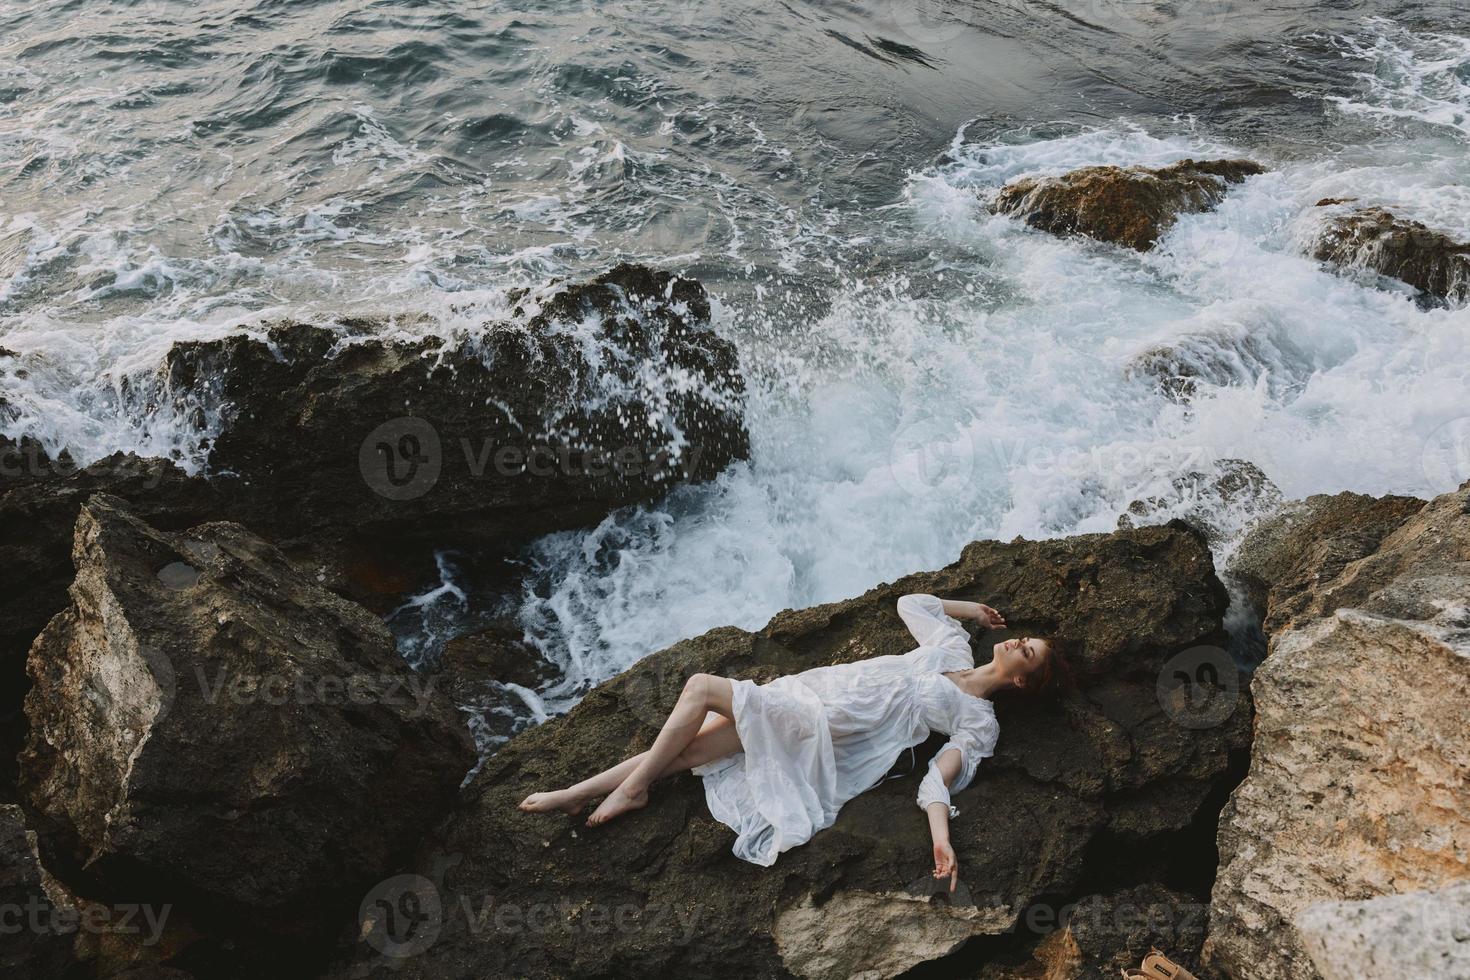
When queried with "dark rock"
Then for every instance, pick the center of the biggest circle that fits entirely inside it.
(38, 942)
(601, 394)
(495, 653)
(481, 673)
(1103, 769)
(1376, 241)
(1286, 555)
(1130, 206)
(38, 513)
(213, 731)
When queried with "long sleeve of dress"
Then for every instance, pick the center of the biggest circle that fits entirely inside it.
(925, 617)
(975, 741)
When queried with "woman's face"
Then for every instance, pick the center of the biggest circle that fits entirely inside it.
(1019, 656)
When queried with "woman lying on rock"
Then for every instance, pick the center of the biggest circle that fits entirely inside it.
(809, 742)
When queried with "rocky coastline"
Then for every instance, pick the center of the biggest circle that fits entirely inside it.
(218, 742)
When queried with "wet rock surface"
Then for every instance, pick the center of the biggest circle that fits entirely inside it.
(1232, 490)
(592, 396)
(1112, 765)
(1375, 241)
(1128, 206)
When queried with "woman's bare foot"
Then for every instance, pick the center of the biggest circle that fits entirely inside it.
(558, 799)
(618, 801)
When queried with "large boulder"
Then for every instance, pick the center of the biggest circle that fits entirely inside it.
(592, 396)
(1129, 206)
(1116, 778)
(1357, 781)
(1375, 241)
(214, 731)
(39, 501)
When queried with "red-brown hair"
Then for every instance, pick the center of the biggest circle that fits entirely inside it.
(1054, 673)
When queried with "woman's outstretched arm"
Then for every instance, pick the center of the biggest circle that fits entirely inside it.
(948, 763)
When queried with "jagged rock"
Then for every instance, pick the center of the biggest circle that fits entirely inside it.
(38, 942)
(213, 731)
(37, 516)
(1357, 779)
(1129, 206)
(1283, 556)
(1213, 501)
(598, 395)
(1106, 770)
(1416, 934)
(1376, 241)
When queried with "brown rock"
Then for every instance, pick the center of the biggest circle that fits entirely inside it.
(1357, 781)
(1130, 206)
(1376, 241)
(1286, 555)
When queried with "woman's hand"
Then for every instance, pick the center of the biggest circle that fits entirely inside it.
(988, 617)
(945, 864)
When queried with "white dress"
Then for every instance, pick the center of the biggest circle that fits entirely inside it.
(814, 740)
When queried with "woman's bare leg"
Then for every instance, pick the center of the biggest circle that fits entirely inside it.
(716, 739)
(702, 694)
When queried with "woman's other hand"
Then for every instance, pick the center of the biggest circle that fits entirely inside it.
(946, 865)
(988, 617)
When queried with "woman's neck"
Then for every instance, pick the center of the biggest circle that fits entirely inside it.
(983, 681)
